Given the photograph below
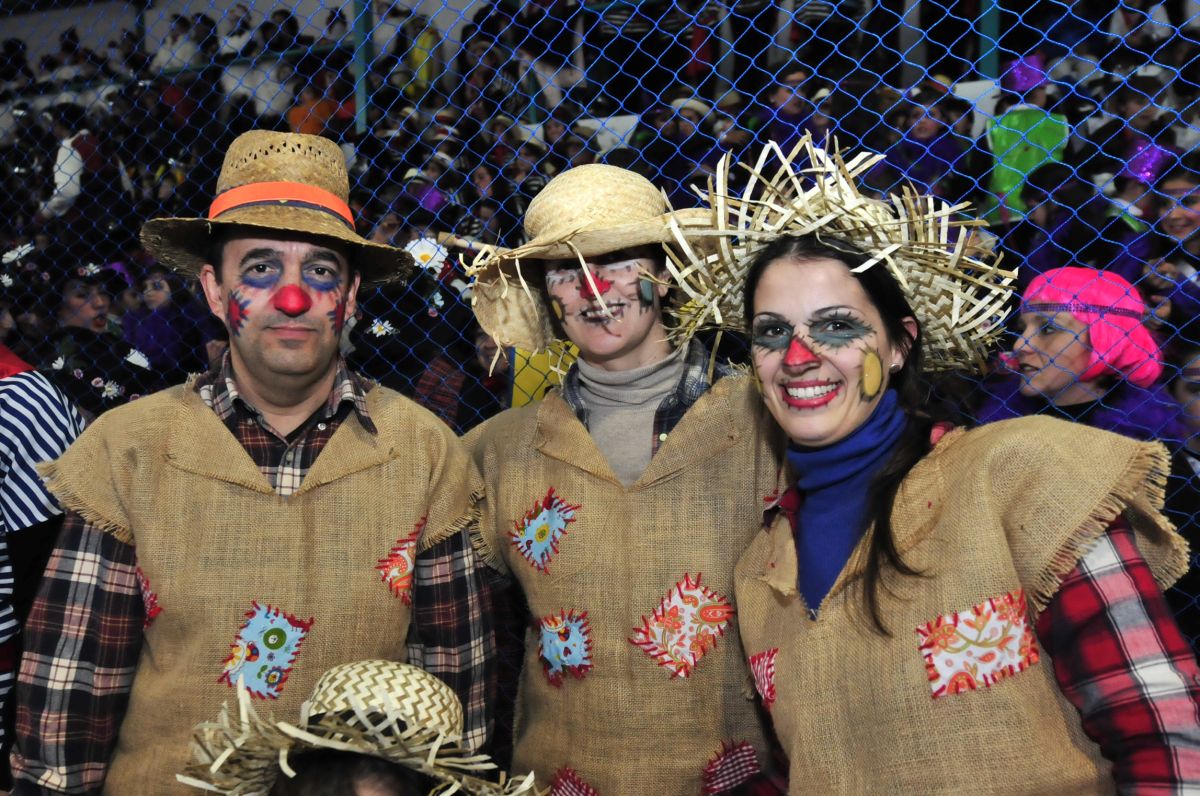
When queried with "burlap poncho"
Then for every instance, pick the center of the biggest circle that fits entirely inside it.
(959, 699)
(634, 680)
(248, 583)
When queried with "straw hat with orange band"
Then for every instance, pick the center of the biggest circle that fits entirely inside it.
(279, 181)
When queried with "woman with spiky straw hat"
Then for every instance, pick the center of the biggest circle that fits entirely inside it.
(928, 609)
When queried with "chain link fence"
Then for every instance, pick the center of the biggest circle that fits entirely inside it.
(1071, 126)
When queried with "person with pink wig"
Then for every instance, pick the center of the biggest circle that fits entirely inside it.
(1084, 353)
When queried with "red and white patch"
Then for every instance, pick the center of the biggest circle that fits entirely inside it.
(567, 783)
(762, 666)
(684, 627)
(149, 598)
(397, 569)
(980, 646)
(733, 764)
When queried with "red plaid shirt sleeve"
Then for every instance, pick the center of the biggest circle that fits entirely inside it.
(82, 643)
(1120, 659)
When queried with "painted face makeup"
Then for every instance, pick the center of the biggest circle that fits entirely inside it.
(614, 317)
(285, 302)
(819, 349)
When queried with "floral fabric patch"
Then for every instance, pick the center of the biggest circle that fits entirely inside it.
(149, 598)
(733, 764)
(538, 533)
(566, 645)
(265, 649)
(684, 626)
(981, 646)
(397, 569)
(762, 666)
(567, 783)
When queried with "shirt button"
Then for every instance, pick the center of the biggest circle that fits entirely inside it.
(321, 426)
(662, 437)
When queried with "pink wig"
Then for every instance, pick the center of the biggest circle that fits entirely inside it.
(1113, 312)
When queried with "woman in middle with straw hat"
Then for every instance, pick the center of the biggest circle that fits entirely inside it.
(620, 503)
(927, 609)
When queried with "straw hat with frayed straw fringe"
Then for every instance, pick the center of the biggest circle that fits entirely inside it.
(944, 261)
(281, 182)
(385, 709)
(585, 211)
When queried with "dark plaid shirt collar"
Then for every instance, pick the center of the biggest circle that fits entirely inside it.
(218, 389)
(692, 384)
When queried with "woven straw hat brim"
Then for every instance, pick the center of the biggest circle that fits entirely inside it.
(182, 243)
(513, 311)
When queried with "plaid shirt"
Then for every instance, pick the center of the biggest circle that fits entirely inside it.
(692, 384)
(1120, 659)
(84, 633)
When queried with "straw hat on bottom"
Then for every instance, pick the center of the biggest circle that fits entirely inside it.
(384, 709)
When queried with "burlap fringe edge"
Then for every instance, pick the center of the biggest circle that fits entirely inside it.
(1141, 487)
(73, 501)
(468, 522)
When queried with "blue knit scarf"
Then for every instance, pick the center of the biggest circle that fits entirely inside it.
(833, 482)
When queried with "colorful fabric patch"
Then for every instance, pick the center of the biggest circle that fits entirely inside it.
(537, 533)
(149, 598)
(684, 627)
(566, 645)
(397, 569)
(966, 649)
(567, 783)
(265, 649)
(733, 764)
(762, 666)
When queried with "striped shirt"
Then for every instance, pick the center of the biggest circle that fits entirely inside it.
(37, 423)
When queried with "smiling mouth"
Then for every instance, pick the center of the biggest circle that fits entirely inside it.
(596, 314)
(810, 395)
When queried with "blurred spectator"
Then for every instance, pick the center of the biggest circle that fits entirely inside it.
(14, 64)
(281, 32)
(37, 424)
(548, 46)
(1171, 271)
(927, 153)
(1072, 223)
(1139, 121)
(313, 111)
(754, 24)
(239, 33)
(95, 367)
(787, 111)
(826, 33)
(633, 50)
(1183, 487)
(170, 326)
(204, 34)
(177, 51)
(487, 391)
(335, 30)
(1084, 354)
(1021, 138)
(126, 58)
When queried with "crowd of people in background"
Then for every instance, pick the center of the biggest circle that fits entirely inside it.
(1085, 157)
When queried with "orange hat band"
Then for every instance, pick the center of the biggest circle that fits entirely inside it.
(291, 194)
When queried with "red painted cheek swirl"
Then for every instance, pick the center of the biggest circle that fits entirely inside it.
(292, 301)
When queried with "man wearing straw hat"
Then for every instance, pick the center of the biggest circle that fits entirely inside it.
(269, 519)
(621, 502)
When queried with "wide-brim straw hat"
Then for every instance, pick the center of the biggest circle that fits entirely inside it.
(384, 709)
(279, 182)
(585, 211)
(942, 259)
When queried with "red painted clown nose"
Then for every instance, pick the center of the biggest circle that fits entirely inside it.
(292, 301)
(585, 289)
(799, 354)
